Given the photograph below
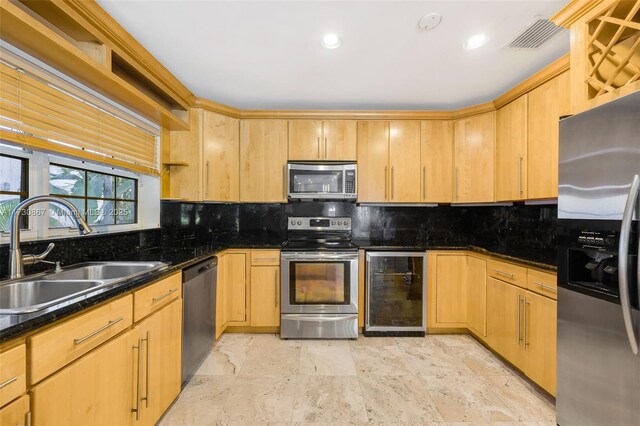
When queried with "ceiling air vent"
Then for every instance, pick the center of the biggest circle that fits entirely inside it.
(535, 35)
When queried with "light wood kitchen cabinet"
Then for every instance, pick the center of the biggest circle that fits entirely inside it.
(13, 373)
(404, 161)
(373, 161)
(477, 295)
(265, 296)
(505, 333)
(540, 340)
(436, 148)
(17, 413)
(547, 103)
(221, 156)
(333, 140)
(205, 160)
(154, 296)
(511, 150)
(158, 368)
(263, 160)
(97, 389)
(447, 290)
(388, 161)
(474, 157)
(232, 271)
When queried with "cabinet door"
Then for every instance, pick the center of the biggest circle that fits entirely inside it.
(263, 160)
(505, 331)
(474, 159)
(185, 147)
(98, 389)
(339, 140)
(511, 151)
(540, 340)
(437, 161)
(17, 413)
(451, 289)
(546, 104)
(373, 161)
(160, 340)
(404, 161)
(234, 282)
(265, 296)
(477, 295)
(305, 140)
(221, 156)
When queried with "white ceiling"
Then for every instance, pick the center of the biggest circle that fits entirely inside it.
(267, 54)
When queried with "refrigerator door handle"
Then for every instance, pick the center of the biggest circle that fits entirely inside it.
(623, 263)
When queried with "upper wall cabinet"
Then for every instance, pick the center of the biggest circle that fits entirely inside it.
(333, 140)
(388, 161)
(205, 160)
(263, 161)
(436, 147)
(547, 103)
(511, 151)
(474, 159)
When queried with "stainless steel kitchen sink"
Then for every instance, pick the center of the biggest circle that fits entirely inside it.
(105, 270)
(30, 296)
(42, 291)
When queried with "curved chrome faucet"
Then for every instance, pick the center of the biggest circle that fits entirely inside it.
(16, 259)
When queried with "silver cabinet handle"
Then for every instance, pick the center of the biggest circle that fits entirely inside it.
(206, 187)
(318, 146)
(136, 409)
(544, 286)
(518, 319)
(276, 288)
(526, 343)
(456, 184)
(385, 182)
(98, 331)
(8, 382)
(504, 274)
(325, 148)
(392, 191)
(520, 190)
(623, 271)
(162, 296)
(265, 259)
(424, 184)
(148, 368)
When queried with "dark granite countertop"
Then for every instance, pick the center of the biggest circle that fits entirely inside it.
(12, 326)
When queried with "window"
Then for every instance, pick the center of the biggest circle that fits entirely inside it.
(14, 187)
(103, 199)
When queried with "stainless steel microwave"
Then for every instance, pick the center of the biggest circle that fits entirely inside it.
(321, 180)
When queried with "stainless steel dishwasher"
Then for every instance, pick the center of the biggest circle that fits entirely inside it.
(198, 314)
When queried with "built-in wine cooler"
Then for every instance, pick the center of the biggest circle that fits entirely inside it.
(396, 291)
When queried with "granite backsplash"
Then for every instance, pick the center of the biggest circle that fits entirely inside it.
(519, 227)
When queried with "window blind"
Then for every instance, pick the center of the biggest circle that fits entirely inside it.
(41, 111)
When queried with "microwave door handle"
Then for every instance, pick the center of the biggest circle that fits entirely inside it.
(623, 263)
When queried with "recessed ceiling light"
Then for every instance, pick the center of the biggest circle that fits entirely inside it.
(331, 41)
(476, 41)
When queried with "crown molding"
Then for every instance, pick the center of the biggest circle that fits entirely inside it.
(549, 72)
(573, 11)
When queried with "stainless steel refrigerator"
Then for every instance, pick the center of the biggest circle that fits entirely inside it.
(597, 240)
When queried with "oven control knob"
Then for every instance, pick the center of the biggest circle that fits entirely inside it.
(339, 223)
(299, 222)
(333, 222)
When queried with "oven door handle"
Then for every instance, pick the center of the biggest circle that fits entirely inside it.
(623, 263)
(319, 258)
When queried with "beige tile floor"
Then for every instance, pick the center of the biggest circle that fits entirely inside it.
(438, 380)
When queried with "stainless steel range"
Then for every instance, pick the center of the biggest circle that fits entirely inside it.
(319, 271)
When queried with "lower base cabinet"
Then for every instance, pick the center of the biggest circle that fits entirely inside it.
(504, 325)
(477, 295)
(541, 340)
(17, 413)
(130, 380)
(265, 296)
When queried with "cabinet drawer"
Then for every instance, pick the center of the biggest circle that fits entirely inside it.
(57, 346)
(507, 272)
(542, 283)
(13, 373)
(265, 257)
(155, 296)
(17, 413)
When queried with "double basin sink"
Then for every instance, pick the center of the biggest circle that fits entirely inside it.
(36, 293)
